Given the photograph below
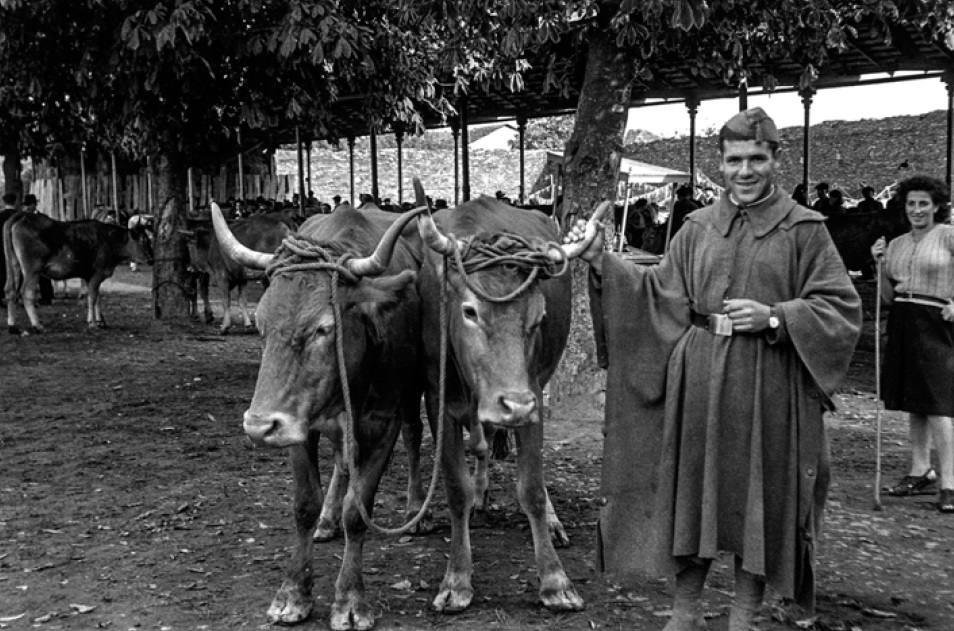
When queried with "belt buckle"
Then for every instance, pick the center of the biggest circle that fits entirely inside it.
(720, 324)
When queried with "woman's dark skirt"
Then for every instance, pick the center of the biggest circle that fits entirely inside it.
(917, 375)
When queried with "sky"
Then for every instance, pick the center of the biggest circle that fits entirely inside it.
(854, 103)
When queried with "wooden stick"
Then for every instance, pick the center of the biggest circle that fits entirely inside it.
(877, 484)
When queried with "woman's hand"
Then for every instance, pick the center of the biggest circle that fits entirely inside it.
(947, 313)
(877, 250)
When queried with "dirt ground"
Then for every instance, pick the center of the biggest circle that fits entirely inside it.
(130, 499)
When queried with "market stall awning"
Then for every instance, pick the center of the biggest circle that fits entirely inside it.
(636, 172)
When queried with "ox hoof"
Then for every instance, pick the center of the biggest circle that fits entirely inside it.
(250, 329)
(98, 325)
(560, 595)
(326, 531)
(351, 615)
(209, 318)
(13, 329)
(423, 527)
(224, 331)
(290, 606)
(558, 535)
(30, 330)
(453, 600)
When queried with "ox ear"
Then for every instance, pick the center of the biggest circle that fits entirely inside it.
(380, 292)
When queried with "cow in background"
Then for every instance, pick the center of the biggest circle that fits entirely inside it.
(853, 235)
(36, 245)
(261, 233)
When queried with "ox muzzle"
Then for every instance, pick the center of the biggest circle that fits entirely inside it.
(274, 429)
(511, 409)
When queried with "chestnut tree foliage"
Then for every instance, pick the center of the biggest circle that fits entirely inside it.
(176, 80)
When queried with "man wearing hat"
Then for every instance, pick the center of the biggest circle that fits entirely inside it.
(823, 203)
(720, 447)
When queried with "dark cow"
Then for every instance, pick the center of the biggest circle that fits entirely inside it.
(36, 245)
(299, 395)
(503, 352)
(262, 233)
(854, 234)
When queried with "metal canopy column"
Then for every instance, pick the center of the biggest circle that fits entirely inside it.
(807, 94)
(374, 166)
(743, 95)
(308, 168)
(522, 128)
(351, 165)
(948, 79)
(399, 139)
(241, 169)
(301, 173)
(455, 131)
(692, 104)
(464, 149)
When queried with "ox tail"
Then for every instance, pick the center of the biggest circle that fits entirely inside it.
(14, 281)
(502, 446)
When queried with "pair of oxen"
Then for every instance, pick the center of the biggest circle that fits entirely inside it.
(508, 317)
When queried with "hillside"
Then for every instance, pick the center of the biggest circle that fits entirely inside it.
(846, 154)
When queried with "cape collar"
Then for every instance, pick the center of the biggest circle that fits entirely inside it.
(763, 215)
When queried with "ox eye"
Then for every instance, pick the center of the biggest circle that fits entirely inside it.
(469, 311)
(325, 330)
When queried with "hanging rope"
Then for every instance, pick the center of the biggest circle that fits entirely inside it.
(298, 254)
(509, 250)
(351, 443)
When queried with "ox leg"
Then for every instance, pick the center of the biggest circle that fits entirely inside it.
(329, 523)
(412, 433)
(351, 610)
(557, 532)
(480, 449)
(94, 316)
(226, 308)
(203, 290)
(243, 307)
(10, 293)
(456, 591)
(293, 601)
(30, 289)
(556, 590)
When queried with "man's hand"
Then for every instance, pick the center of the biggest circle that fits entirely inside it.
(747, 315)
(593, 252)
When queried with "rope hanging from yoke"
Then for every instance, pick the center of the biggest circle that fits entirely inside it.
(508, 250)
(350, 440)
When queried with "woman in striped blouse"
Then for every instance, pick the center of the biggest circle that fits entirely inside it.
(918, 375)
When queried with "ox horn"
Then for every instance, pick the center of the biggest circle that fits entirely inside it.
(420, 199)
(231, 246)
(375, 264)
(433, 237)
(572, 250)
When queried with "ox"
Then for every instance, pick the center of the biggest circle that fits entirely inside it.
(854, 234)
(299, 395)
(508, 330)
(262, 233)
(36, 245)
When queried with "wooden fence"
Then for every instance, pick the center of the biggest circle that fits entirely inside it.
(62, 197)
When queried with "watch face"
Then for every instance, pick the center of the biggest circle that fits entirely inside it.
(773, 322)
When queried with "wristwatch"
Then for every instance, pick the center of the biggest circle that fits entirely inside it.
(773, 320)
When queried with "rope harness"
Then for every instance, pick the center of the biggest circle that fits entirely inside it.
(509, 250)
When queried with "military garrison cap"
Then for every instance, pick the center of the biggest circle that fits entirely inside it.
(750, 124)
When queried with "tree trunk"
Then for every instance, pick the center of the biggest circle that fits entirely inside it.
(169, 277)
(12, 182)
(592, 158)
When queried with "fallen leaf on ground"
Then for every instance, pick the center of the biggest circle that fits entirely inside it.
(81, 608)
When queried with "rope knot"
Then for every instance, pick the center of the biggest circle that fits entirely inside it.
(300, 253)
(509, 250)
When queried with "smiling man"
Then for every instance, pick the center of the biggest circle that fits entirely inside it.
(720, 447)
